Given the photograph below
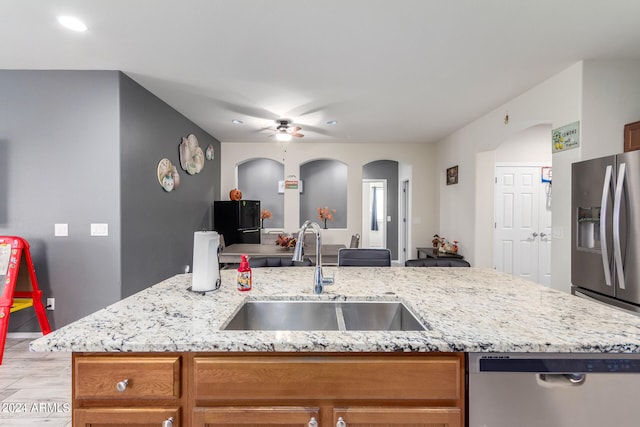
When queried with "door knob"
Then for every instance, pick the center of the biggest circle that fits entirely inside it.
(542, 235)
(534, 235)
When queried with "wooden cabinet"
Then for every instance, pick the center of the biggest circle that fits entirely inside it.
(329, 390)
(632, 136)
(263, 389)
(127, 390)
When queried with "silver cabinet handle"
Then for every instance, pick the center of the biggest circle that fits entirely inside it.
(122, 385)
(542, 235)
(313, 422)
(168, 422)
(534, 234)
(341, 423)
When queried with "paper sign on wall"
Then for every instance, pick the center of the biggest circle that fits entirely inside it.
(565, 138)
(289, 184)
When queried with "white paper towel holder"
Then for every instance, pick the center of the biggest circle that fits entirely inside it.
(218, 282)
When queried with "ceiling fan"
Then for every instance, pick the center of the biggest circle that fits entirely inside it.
(285, 131)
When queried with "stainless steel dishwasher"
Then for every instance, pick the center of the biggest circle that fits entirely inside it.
(554, 390)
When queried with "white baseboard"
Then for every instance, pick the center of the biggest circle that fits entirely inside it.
(32, 335)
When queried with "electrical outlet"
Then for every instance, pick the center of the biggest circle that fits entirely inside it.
(51, 303)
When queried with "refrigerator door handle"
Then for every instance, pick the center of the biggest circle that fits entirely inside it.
(617, 252)
(603, 226)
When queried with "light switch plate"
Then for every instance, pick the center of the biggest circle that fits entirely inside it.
(557, 232)
(100, 229)
(61, 230)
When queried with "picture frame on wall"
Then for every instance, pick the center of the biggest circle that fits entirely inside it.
(452, 175)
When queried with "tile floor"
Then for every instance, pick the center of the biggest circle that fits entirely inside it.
(35, 388)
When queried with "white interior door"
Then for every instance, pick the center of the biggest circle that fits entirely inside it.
(522, 224)
(405, 222)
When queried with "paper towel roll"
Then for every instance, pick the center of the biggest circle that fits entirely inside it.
(206, 272)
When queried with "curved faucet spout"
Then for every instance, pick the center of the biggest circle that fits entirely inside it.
(318, 280)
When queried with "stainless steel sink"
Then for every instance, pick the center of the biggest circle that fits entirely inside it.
(379, 316)
(285, 316)
(324, 316)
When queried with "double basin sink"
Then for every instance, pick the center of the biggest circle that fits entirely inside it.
(324, 316)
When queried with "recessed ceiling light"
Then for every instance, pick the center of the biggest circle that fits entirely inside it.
(237, 122)
(72, 23)
(331, 122)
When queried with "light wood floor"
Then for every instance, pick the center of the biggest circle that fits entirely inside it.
(35, 388)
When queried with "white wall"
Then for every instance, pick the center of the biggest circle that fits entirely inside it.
(602, 95)
(554, 102)
(532, 145)
(419, 163)
(611, 98)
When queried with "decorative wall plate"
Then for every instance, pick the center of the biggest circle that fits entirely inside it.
(210, 153)
(164, 168)
(191, 155)
(167, 175)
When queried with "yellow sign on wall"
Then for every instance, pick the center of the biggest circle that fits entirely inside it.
(565, 138)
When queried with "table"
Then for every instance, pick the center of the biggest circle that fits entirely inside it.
(434, 253)
(231, 254)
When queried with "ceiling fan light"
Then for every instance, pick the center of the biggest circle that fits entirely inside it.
(72, 23)
(283, 136)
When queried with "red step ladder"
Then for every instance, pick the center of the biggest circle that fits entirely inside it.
(18, 285)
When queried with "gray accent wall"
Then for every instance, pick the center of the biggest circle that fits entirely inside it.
(157, 227)
(82, 147)
(60, 135)
(387, 169)
(324, 185)
(258, 180)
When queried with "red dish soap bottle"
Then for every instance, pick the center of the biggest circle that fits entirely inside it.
(244, 275)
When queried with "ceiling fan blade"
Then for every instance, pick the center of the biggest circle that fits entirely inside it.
(294, 129)
(297, 134)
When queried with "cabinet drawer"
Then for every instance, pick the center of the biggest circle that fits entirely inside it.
(325, 377)
(405, 416)
(126, 417)
(97, 377)
(249, 416)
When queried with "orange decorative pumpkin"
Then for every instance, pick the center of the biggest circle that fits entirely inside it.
(235, 194)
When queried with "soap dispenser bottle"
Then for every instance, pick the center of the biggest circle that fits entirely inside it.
(244, 275)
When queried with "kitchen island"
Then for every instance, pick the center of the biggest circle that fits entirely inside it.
(195, 373)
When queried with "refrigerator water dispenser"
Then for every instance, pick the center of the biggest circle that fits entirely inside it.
(588, 228)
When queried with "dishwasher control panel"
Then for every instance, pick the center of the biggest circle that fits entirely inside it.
(555, 363)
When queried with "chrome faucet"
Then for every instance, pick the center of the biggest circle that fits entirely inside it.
(319, 281)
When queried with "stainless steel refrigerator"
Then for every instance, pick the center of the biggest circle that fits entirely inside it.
(605, 255)
(237, 220)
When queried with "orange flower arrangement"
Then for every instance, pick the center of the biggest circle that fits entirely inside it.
(265, 214)
(326, 214)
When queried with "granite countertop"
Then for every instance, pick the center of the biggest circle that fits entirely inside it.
(464, 309)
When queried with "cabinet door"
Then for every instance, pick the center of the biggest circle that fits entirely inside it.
(125, 417)
(632, 136)
(256, 416)
(381, 416)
